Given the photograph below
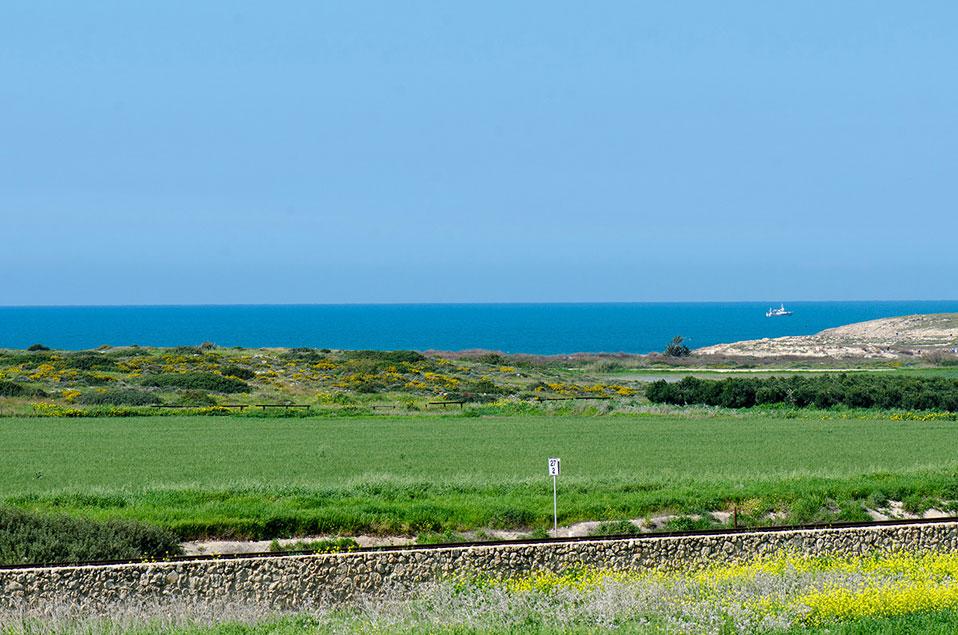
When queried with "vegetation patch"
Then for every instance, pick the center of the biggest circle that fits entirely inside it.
(823, 391)
(783, 594)
(10, 389)
(330, 545)
(616, 528)
(29, 538)
(197, 381)
(89, 360)
(118, 397)
(195, 398)
(239, 372)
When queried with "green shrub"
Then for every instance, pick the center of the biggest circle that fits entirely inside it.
(392, 357)
(825, 391)
(687, 523)
(44, 409)
(616, 528)
(194, 398)
(29, 538)
(332, 545)
(493, 359)
(13, 389)
(237, 371)
(15, 358)
(197, 381)
(676, 348)
(118, 397)
(92, 379)
(369, 386)
(89, 360)
(10, 389)
(334, 399)
(304, 355)
(440, 538)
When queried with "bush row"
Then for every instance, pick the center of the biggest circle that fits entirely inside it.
(10, 389)
(13, 389)
(29, 538)
(238, 372)
(197, 381)
(824, 391)
(119, 397)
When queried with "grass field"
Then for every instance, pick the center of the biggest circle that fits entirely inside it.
(235, 476)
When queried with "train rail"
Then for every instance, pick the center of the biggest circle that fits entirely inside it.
(495, 543)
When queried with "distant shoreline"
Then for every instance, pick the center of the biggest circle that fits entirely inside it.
(887, 338)
(534, 329)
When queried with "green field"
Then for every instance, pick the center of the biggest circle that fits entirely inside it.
(239, 476)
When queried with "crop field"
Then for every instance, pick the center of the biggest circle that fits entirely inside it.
(267, 477)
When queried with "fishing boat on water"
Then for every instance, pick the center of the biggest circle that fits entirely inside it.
(779, 312)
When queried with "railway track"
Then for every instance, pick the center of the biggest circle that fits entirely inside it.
(493, 543)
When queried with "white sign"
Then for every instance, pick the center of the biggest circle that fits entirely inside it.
(553, 467)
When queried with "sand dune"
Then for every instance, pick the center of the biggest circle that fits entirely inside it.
(890, 338)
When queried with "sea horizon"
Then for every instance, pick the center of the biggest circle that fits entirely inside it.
(461, 303)
(511, 327)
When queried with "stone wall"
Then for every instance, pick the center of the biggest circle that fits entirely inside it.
(295, 581)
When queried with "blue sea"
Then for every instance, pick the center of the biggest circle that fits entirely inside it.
(513, 328)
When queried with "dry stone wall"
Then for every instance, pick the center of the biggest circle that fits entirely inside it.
(300, 581)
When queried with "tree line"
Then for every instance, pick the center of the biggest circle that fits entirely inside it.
(821, 391)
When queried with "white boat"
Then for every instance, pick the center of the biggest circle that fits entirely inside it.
(779, 312)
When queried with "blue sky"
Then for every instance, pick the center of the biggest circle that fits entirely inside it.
(234, 152)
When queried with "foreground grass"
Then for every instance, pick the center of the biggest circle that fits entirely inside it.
(235, 476)
(930, 623)
(890, 593)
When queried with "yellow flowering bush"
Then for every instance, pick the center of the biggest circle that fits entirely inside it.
(924, 416)
(580, 579)
(44, 409)
(444, 381)
(782, 589)
(880, 600)
(47, 372)
(898, 584)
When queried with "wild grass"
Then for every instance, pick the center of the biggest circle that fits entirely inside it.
(266, 478)
(778, 594)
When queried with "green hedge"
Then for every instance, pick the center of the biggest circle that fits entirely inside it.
(821, 391)
(29, 538)
(197, 381)
(238, 372)
(118, 397)
(13, 389)
(89, 360)
(196, 398)
(10, 389)
(390, 357)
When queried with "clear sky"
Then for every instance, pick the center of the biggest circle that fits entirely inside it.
(272, 152)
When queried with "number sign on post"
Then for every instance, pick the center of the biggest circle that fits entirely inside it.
(554, 467)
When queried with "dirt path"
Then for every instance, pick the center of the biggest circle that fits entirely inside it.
(575, 530)
(893, 510)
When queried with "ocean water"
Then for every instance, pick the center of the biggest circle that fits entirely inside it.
(514, 328)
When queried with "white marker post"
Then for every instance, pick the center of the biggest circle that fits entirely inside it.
(554, 472)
